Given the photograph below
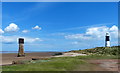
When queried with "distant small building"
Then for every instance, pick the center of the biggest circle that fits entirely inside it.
(107, 40)
(21, 47)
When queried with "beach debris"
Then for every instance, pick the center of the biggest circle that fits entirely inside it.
(59, 53)
(18, 62)
(41, 58)
(35, 58)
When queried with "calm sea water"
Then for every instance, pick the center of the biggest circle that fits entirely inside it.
(26, 51)
(11, 52)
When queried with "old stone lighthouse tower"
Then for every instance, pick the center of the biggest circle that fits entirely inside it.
(21, 47)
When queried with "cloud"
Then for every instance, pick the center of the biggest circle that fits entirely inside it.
(25, 31)
(95, 33)
(74, 43)
(8, 39)
(11, 28)
(57, 34)
(77, 36)
(83, 27)
(1, 31)
(114, 28)
(31, 40)
(114, 31)
(37, 27)
(14, 39)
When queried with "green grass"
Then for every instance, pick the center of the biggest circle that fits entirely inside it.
(114, 50)
(59, 64)
(55, 64)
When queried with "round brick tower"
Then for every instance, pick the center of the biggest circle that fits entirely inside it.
(21, 47)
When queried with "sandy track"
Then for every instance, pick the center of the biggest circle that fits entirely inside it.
(108, 64)
(70, 54)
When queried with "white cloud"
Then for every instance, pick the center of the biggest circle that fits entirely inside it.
(95, 33)
(114, 28)
(14, 39)
(31, 40)
(75, 43)
(1, 31)
(11, 28)
(94, 36)
(77, 36)
(9, 39)
(37, 27)
(25, 31)
(114, 31)
(57, 34)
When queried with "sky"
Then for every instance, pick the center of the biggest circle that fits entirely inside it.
(58, 26)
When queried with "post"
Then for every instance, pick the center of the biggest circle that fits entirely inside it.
(107, 40)
(21, 47)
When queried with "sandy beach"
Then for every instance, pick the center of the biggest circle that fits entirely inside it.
(7, 58)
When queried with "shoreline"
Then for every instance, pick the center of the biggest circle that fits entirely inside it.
(7, 58)
(3, 52)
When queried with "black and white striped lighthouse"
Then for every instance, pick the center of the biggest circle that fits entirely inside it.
(107, 40)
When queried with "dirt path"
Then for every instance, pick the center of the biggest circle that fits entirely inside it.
(107, 64)
(95, 65)
(89, 67)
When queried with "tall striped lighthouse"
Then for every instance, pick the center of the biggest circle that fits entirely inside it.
(107, 40)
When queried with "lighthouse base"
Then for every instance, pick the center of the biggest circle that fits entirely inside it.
(20, 55)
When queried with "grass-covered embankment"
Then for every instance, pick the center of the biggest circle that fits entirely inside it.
(114, 50)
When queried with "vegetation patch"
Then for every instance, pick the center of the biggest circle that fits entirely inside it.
(114, 50)
(59, 53)
(55, 64)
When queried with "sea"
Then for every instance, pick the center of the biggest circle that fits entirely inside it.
(28, 51)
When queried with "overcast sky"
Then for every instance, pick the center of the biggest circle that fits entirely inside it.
(58, 26)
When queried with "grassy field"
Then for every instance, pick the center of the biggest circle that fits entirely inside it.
(78, 63)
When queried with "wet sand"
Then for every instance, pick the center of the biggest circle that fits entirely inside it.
(7, 58)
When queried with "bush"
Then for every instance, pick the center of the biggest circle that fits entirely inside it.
(58, 54)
